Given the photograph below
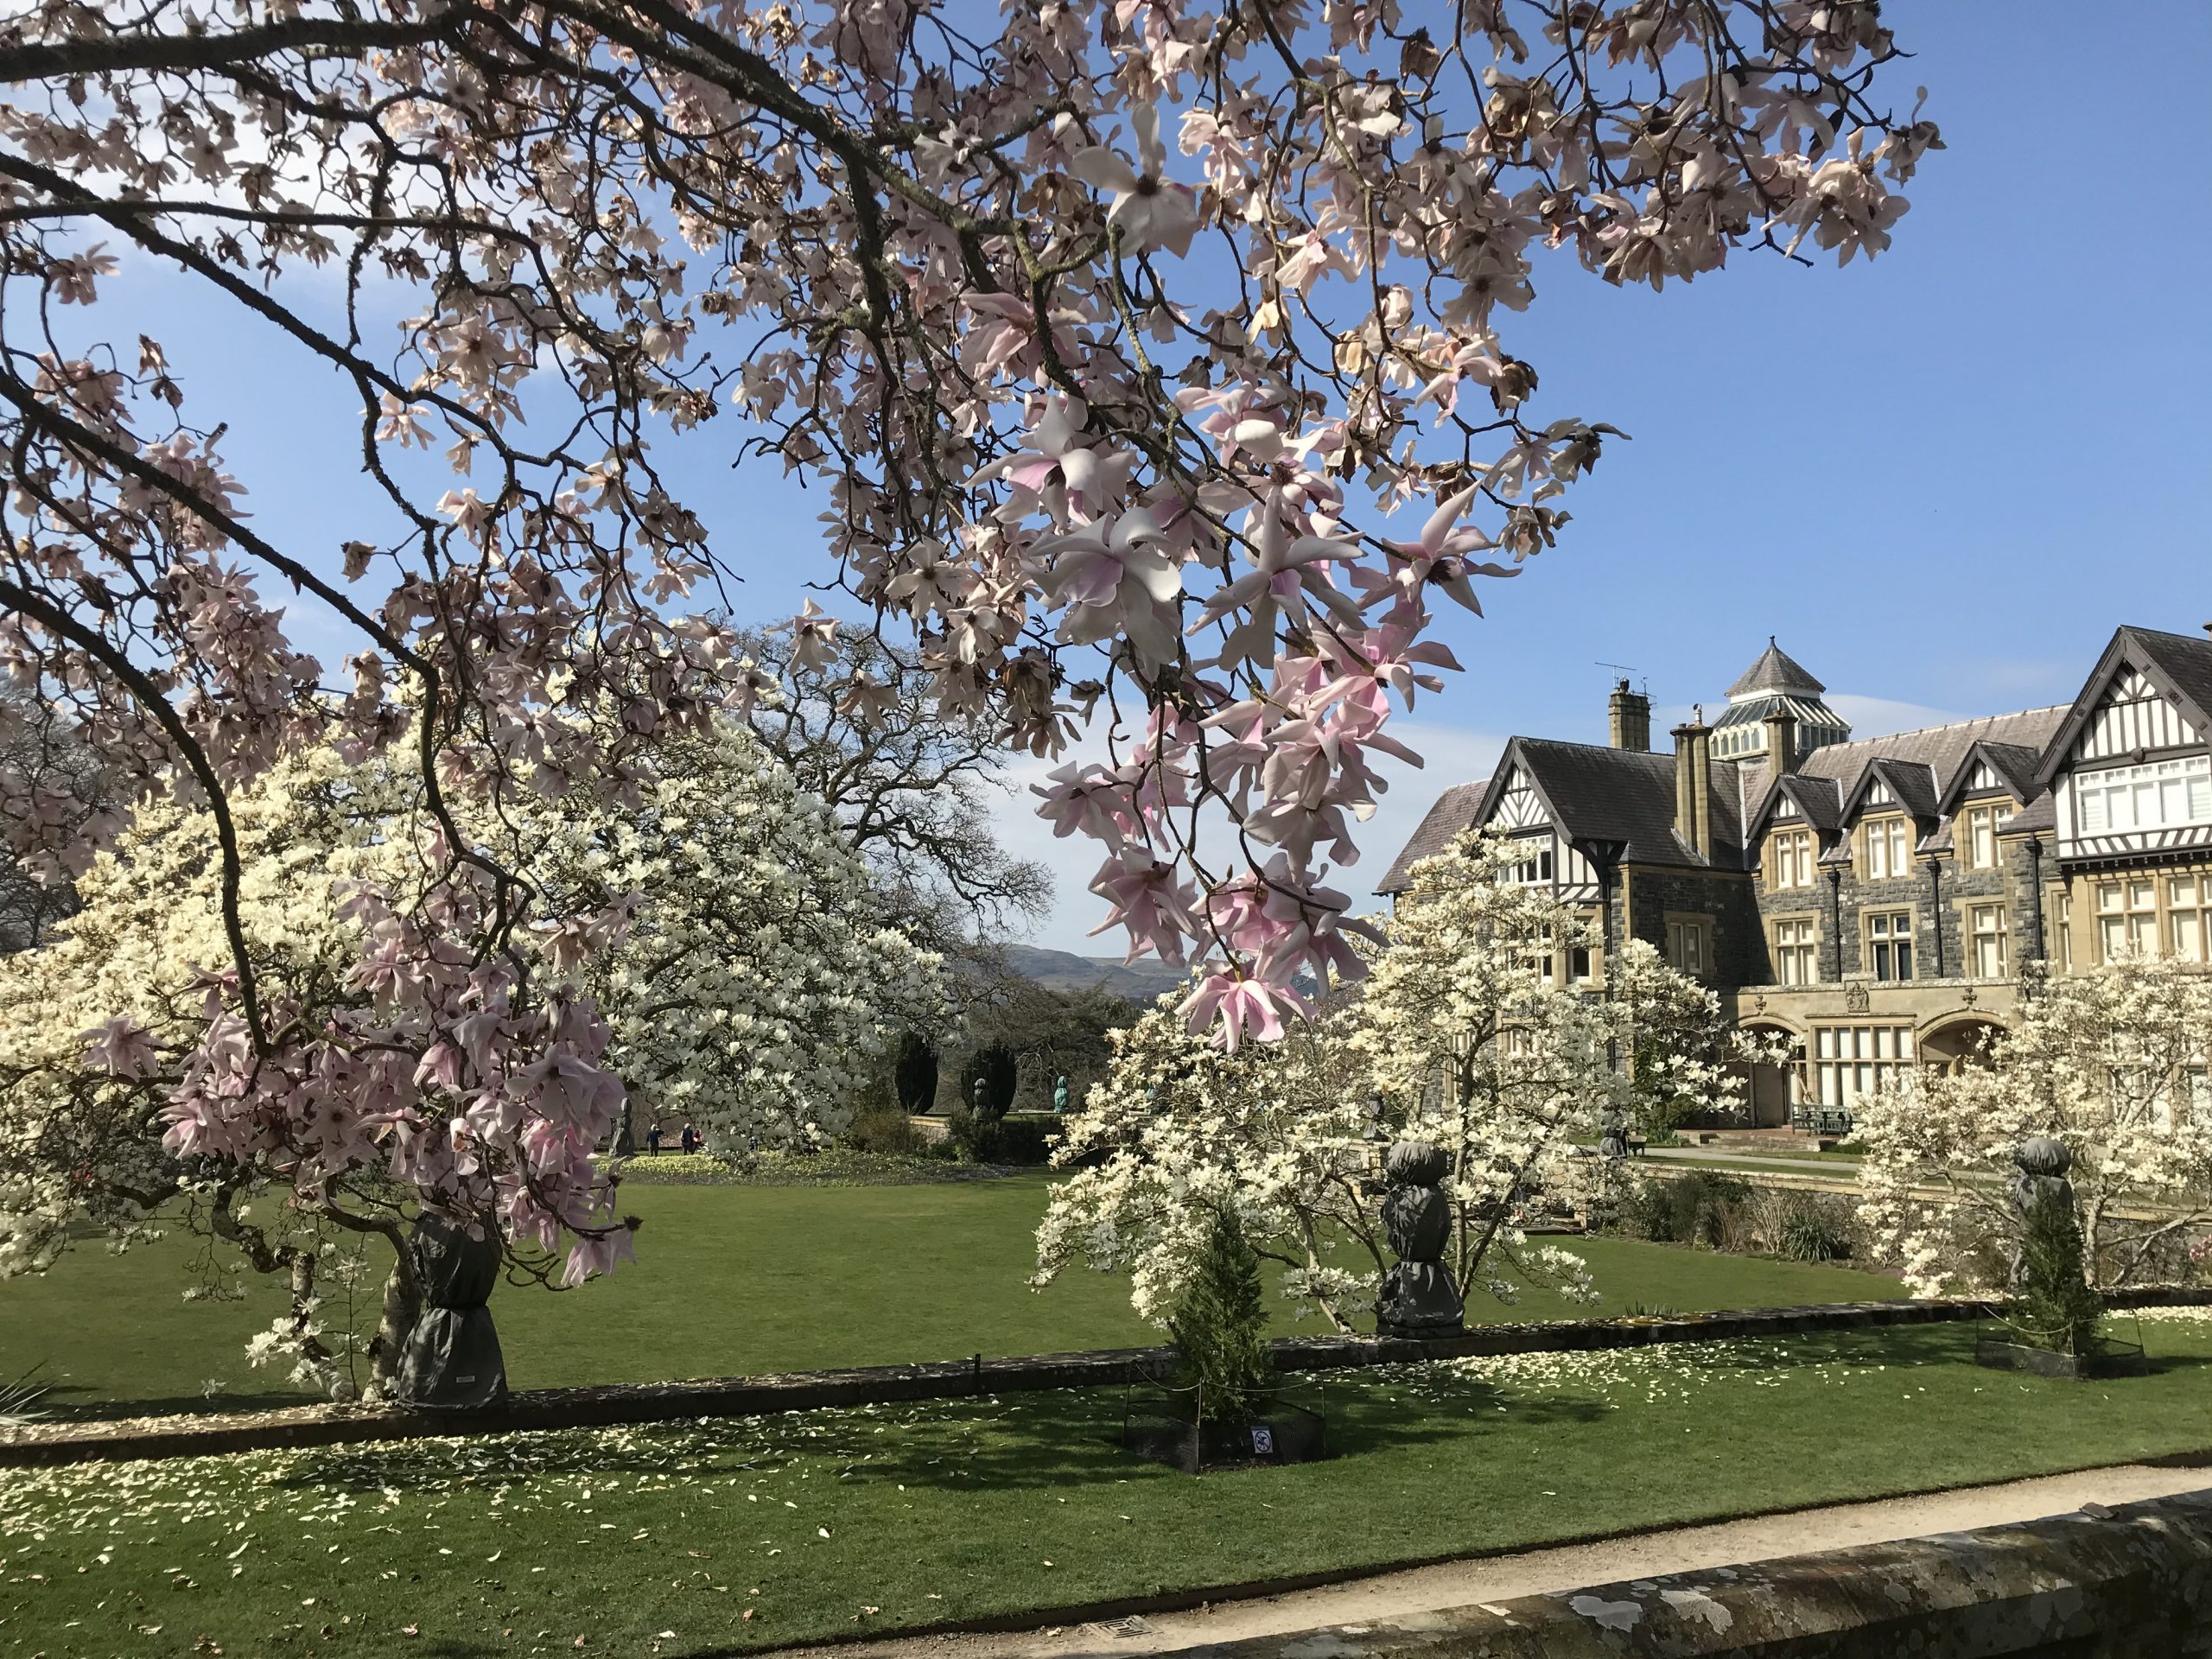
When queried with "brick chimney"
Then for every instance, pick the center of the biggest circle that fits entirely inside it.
(1782, 742)
(1694, 783)
(1629, 715)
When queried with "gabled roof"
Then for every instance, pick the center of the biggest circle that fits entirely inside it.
(2179, 664)
(2014, 765)
(1912, 782)
(1774, 671)
(1945, 752)
(1626, 796)
(1454, 810)
(1941, 749)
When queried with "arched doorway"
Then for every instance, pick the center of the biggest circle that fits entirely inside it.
(1772, 1092)
(1958, 1041)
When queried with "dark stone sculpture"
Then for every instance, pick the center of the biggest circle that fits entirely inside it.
(2042, 1163)
(451, 1357)
(1418, 1298)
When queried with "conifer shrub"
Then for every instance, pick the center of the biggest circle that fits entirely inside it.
(1219, 1325)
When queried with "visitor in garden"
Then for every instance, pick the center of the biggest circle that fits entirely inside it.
(691, 1140)
(653, 1140)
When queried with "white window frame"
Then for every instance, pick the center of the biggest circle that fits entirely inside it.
(1851, 1062)
(2157, 795)
(1989, 944)
(1888, 935)
(1797, 950)
(1888, 849)
(1981, 837)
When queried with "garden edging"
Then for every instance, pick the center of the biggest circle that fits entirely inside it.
(41, 1444)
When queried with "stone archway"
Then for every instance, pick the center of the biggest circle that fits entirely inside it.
(1958, 1040)
(1772, 1093)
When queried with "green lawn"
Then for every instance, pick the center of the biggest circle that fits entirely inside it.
(732, 1280)
(836, 1523)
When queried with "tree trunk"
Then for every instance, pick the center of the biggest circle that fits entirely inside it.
(403, 1306)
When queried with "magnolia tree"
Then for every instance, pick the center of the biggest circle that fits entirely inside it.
(1150, 359)
(1463, 1034)
(2112, 1064)
(746, 976)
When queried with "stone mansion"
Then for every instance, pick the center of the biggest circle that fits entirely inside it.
(1874, 899)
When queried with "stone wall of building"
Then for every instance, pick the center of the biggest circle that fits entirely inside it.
(1738, 941)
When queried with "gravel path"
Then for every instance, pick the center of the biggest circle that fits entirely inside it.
(1537, 1571)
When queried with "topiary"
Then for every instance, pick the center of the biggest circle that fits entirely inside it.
(1218, 1324)
(913, 1074)
(2053, 1306)
(999, 1069)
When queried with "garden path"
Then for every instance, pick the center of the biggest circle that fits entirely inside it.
(1539, 1572)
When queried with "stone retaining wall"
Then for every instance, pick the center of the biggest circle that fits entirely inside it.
(201, 1434)
(2130, 1583)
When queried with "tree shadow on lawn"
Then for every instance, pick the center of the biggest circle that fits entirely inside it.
(57, 1404)
(1064, 1437)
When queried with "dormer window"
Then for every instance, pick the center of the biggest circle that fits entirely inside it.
(1888, 849)
(1980, 841)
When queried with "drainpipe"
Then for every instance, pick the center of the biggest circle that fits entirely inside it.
(1836, 927)
(1935, 909)
(2035, 888)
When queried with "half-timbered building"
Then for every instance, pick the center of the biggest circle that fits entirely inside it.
(1876, 900)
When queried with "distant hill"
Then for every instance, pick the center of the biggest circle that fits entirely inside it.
(1063, 970)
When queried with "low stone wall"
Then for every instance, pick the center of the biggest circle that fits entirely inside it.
(2131, 1583)
(202, 1434)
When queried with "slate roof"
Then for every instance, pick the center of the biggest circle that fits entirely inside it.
(2186, 659)
(1598, 793)
(1776, 671)
(1453, 812)
(1941, 749)
(2183, 661)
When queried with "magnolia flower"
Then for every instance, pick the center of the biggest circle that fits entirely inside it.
(1438, 557)
(1110, 578)
(1056, 457)
(1148, 210)
(1241, 1005)
(122, 1048)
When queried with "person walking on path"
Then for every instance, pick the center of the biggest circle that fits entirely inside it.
(653, 1140)
(691, 1140)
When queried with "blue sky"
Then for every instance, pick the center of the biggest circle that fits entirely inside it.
(1940, 478)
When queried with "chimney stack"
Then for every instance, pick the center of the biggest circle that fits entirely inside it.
(1630, 717)
(1782, 742)
(1693, 783)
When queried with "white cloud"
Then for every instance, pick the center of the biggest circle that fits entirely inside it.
(1453, 757)
(1879, 716)
(1868, 716)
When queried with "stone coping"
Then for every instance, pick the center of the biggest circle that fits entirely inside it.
(210, 1434)
(2126, 1583)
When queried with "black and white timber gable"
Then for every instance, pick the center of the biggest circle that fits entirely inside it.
(2130, 770)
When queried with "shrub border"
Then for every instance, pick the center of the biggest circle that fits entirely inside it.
(192, 1435)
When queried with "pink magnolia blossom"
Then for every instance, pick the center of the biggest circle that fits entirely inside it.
(1147, 209)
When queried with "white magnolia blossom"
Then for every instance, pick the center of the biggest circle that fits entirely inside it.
(744, 976)
(2112, 1064)
(1461, 1034)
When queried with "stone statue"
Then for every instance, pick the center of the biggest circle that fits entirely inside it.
(1418, 1298)
(976, 1100)
(451, 1357)
(2041, 1163)
(1613, 1137)
(1060, 1096)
